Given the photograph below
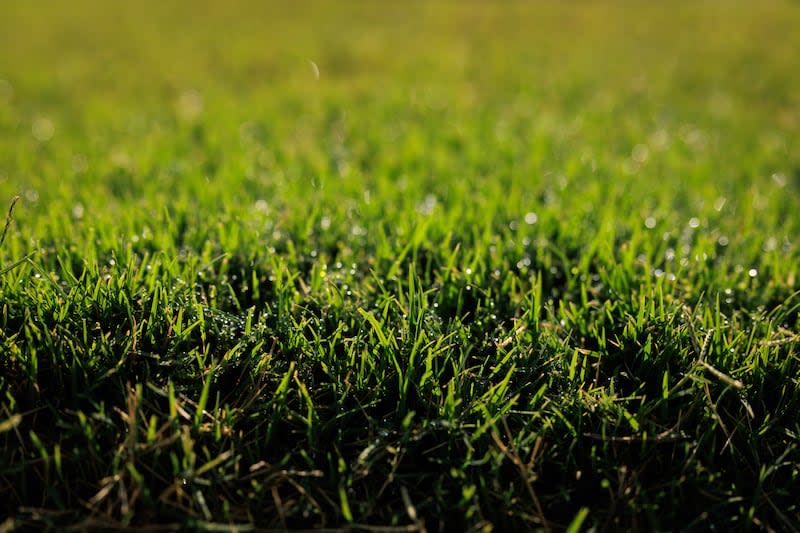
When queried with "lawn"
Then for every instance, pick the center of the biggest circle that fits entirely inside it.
(395, 267)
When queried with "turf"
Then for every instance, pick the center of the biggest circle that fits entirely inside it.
(400, 267)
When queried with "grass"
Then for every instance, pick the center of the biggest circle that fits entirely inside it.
(413, 267)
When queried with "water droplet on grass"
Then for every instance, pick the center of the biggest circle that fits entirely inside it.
(779, 179)
(659, 139)
(650, 222)
(640, 153)
(262, 206)
(190, 105)
(427, 205)
(531, 218)
(752, 272)
(43, 129)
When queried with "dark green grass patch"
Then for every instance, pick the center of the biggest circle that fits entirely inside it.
(427, 267)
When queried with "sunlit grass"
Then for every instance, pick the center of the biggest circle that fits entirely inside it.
(416, 267)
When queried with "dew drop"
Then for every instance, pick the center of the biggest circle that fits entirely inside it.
(189, 105)
(640, 153)
(779, 179)
(42, 129)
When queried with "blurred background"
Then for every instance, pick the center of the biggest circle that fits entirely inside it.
(319, 90)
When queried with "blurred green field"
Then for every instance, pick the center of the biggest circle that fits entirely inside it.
(419, 266)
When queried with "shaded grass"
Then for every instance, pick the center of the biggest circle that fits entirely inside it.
(506, 280)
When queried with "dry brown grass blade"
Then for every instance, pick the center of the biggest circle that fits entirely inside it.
(524, 469)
